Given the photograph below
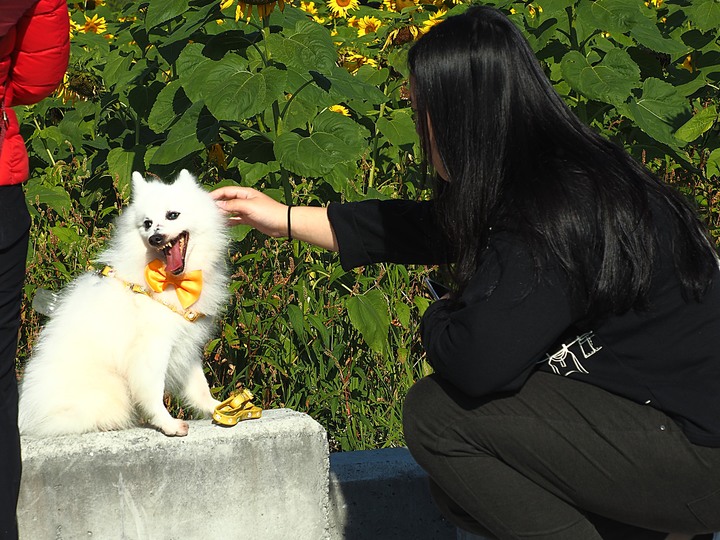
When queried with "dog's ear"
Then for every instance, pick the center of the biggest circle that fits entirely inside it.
(185, 178)
(138, 183)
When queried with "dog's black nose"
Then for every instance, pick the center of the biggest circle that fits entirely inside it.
(156, 240)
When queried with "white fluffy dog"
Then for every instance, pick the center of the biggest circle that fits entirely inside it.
(121, 336)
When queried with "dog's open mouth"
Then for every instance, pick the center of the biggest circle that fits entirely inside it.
(174, 252)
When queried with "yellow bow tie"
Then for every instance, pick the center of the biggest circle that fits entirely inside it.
(187, 286)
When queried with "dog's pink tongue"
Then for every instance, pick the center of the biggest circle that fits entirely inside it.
(174, 258)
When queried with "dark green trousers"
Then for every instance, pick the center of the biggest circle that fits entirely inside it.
(561, 460)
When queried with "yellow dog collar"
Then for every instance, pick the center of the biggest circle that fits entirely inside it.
(188, 314)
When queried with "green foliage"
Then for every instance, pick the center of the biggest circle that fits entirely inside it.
(179, 84)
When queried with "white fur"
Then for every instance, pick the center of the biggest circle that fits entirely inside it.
(107, 355)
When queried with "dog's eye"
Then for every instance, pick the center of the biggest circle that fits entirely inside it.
(172, 215)
(147, 224)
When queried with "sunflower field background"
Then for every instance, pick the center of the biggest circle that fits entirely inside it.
(308, 101)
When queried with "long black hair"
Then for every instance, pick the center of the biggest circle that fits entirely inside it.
(517, 157)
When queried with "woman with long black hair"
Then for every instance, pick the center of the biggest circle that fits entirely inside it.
(576, 392)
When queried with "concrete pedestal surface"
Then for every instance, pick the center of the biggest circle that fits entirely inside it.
(264, 479)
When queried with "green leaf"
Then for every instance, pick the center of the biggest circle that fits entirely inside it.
(299, 113)
(241, 98)
(697, 125)
(345, 86)
(275, 82)
(335, 139)
(297, 320)
(66, 235)
(397, 59)
(713, 163)
(122, 163)
(205, 76)
(705, 14)
(170, 104)
(399, 128)
(308, 47)
(117, 71)
(341, 176)
(311, 156)
(622, 17)
(421, 303)
(312, 90)
(611, 80)
(164, 11)
(369, 315)
(190, 59)
(613, 16)
(344, 128)
(692, 85)
(372, 75)
(403, 314)
(194, 131)
(229, 89)
(53, 196)
(556, 7)
(238, 232)
(648, 34)
(659, 111)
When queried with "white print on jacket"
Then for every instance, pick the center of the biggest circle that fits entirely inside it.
(565, 361)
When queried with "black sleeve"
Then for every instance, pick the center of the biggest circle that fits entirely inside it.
(509, 315)
(396, 231)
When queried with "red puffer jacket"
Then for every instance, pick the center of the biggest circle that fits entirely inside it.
(34, 50)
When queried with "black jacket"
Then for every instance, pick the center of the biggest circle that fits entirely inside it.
(508, 323)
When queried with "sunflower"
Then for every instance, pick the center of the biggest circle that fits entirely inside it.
(446, 3)
(534, 11)
(352, 61)
(368, 25)
(310, 9)
(65, 93)
(402, 35)
(398, 5)
(216, 156)
(94, 24)
(435, 18)
(340, 8)
(244, 7)
(78, 85)
(339, 109)
(75, 27)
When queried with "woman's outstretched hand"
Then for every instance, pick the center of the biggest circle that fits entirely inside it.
(248, 206)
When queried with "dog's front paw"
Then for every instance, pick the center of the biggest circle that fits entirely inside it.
(175, 428)
(210, 407)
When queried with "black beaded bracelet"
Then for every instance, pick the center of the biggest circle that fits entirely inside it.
(289, 236)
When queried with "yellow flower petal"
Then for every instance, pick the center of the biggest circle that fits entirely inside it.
(687, 64)
(339, 109)
(340, 8)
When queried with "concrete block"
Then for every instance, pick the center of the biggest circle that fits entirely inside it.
(265, 479)
(383, 495)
